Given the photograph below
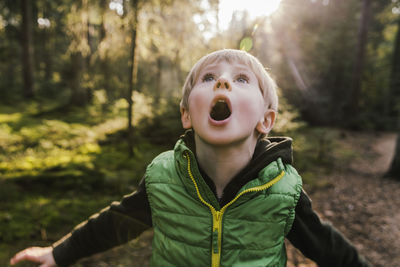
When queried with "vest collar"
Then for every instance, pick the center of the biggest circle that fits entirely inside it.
(266, 164)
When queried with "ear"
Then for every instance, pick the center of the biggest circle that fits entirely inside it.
(185, 118)
(266, 123)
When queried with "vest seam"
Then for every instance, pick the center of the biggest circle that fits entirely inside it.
(190, 215)
(288, 195)
(254, 249)
(182, 242)
(149, 198)
(170, 184)
(282, 194)
(165, 258)
(156, 182)
(292, 210)
(261, 221)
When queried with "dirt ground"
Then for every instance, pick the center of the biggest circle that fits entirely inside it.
(355, 199)
(360, 203)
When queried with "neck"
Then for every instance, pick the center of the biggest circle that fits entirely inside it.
(222, 163)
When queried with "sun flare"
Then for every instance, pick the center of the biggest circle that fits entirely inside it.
(255, 8)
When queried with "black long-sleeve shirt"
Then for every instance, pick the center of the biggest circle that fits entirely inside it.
(125, 220)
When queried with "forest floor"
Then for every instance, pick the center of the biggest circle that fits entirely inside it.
(360, 203)
(353, 197)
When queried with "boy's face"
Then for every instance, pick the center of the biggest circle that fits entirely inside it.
(226, 105)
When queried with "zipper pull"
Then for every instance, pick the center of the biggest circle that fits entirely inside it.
(215, 241)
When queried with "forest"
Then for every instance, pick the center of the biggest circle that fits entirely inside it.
(90, 93)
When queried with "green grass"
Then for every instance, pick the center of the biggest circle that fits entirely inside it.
(58, 166)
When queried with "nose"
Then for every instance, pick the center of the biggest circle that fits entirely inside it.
(222, 83)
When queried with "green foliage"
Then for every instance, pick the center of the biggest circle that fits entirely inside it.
(57, 169)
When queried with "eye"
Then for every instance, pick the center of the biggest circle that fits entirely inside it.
(242, 78)
(208, 77)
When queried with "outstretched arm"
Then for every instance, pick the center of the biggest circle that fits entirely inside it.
(43, 256)
(113, 226)
(320, 241)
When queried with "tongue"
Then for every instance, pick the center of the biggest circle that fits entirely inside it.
(220, 111)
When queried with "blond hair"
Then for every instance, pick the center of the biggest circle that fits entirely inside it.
(265, 82)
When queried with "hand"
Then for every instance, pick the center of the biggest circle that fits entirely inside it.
(41, 255)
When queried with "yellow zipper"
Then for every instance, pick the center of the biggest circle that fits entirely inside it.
(217, 215)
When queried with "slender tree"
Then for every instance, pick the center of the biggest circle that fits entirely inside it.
(394, 92)
(47, 42)
(158, 78)
(354, 100)
(132, 73)
(27, 48)
(394, 170)
(104, 60)
(78, 94)
(79, 49)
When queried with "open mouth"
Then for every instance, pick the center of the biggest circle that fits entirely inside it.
(220, 111)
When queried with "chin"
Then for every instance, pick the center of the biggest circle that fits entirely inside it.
(223, 139)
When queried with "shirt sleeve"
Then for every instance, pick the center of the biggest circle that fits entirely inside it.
(112, 226)
(320, 241)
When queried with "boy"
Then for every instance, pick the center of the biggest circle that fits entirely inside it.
(226, 195)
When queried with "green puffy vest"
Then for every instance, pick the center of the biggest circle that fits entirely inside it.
(191, 229)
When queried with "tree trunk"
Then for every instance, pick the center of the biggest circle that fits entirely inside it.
(394, 104)
(88, 36)
(394, 90)
(354, 97)
(104, 64)
(158, 77)
(48, 56)
(178, 68)
(27, 49)
(79, 96)
(132, 75)
(394, 170)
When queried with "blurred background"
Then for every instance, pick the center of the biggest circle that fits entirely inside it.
(90, 91)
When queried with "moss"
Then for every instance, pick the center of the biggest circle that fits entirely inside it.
(57, 169)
